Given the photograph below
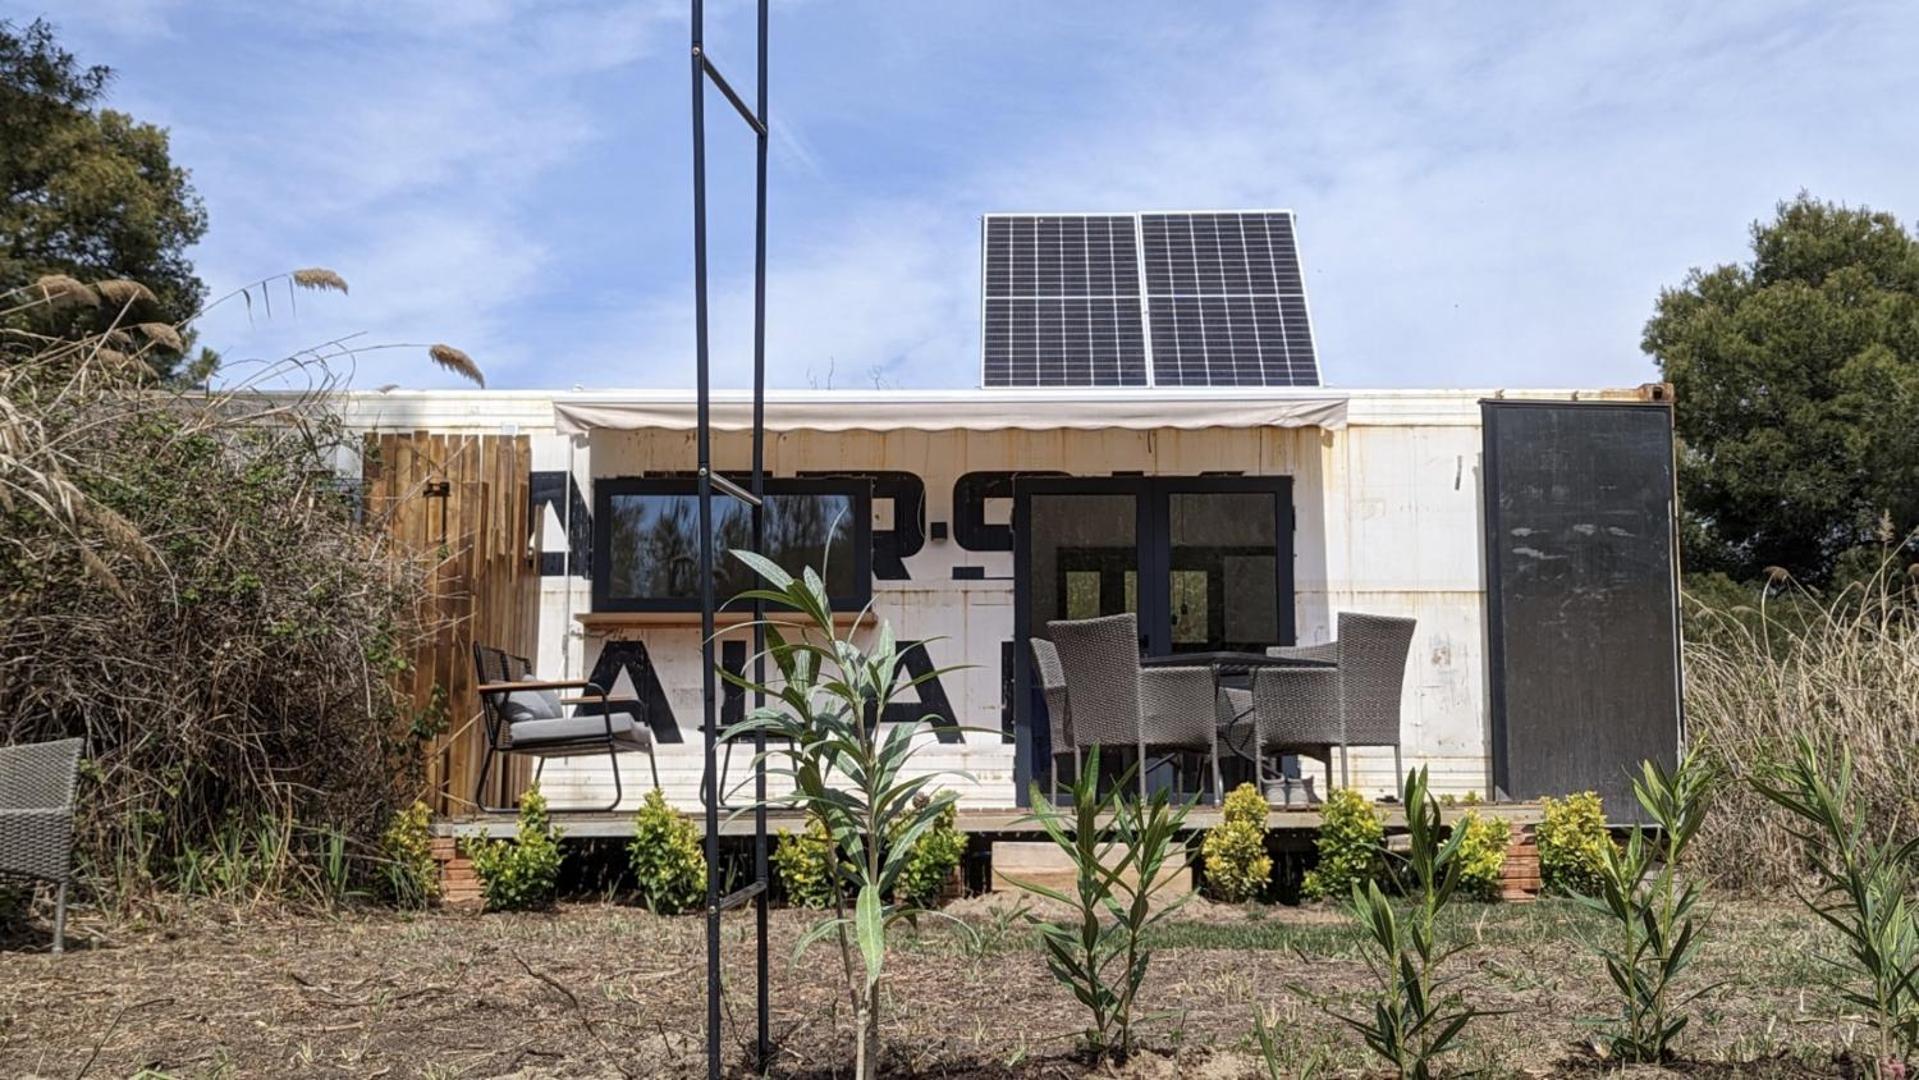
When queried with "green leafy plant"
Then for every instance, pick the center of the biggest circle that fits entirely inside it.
(1101, 954)
(846, 772)
(523, 873)
(1351, 843)
(1653, 936)
(1866, 893)
(1573, 844)
(1482, 854)
(1415, 1017)
(1234, 853)
(669, 867)
(411, 876)
(805, 863)
(932, 859)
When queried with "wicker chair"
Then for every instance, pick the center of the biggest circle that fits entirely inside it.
(1294, 711)
(1117, 703)
(1059, 712)
(528, 716)
(36, 819)
(1371, 651)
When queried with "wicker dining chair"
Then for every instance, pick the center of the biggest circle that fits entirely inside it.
(1293, 711)
(36, 819)
(1115, 702)
(1371, 652)
(1059, 710)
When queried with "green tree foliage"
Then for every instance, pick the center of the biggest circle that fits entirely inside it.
(1797, 376)
(91, 193)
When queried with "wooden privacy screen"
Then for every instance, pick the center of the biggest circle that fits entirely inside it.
(461, 501)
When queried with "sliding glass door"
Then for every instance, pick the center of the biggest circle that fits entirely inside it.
(1205, 562)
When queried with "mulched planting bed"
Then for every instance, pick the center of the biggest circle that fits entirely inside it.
(606, 991)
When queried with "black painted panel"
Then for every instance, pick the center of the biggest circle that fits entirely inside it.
(1580, 590)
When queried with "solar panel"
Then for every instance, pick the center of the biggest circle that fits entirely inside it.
(1224, 303)
(1061, 304)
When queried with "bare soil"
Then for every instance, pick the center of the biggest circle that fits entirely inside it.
(596, 990)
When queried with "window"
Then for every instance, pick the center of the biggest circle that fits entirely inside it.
(647, 551)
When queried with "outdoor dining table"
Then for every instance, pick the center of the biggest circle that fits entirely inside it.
(1235, 670)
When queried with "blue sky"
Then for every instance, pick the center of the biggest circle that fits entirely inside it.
(1488, 195)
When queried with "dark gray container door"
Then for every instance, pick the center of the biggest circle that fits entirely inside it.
(1582, 596)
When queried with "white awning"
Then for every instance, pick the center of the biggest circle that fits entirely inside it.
(1128, 408)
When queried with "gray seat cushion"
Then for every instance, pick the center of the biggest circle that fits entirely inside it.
(529, 734)
(523, 705)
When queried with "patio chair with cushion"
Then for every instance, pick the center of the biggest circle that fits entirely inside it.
(1371, 652)
(36, 819)
(1059, 712)
(1117, 703)
(523, 715)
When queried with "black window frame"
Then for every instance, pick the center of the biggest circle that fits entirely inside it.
(606, 489)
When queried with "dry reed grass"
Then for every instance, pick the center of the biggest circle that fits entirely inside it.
(186, 585)
(1842, 668)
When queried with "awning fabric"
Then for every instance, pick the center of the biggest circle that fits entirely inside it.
(957, 410)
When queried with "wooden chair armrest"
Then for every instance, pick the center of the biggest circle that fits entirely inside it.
(595, 699)
(508, 687)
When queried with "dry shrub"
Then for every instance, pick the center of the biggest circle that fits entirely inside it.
(185, 582)
(1842, 667)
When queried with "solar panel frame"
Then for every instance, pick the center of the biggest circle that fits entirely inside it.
(1243, 296)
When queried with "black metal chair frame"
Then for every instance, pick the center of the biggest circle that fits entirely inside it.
(493, 696)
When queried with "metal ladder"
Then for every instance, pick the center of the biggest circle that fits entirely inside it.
(752, 495)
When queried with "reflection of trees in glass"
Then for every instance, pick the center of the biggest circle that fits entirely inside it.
(655, 552)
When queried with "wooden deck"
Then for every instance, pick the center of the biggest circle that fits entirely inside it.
(995, 824)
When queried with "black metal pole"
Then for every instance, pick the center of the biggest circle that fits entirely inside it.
(708, 732)
(761, 871)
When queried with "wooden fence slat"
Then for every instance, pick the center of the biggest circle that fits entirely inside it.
(481, 587)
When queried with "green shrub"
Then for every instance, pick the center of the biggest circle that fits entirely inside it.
(1417, 1012)
(1482, 854)
(935, 855)
(523, 873)
(412, 878)
(666, 857)
(1654, 937)
(1866, 881)
(1352, 838)
(1573, 844)
(1101, 953)
(803, 861)
(1237, 865)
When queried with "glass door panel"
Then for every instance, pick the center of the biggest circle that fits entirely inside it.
(1223, 557)
(1082, 556)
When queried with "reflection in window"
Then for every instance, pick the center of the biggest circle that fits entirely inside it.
(653, 550)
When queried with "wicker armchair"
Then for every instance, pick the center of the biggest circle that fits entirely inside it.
(1371, 651)
(1059, 712)
(523, 715)
(1116, 703)
(36, 819)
